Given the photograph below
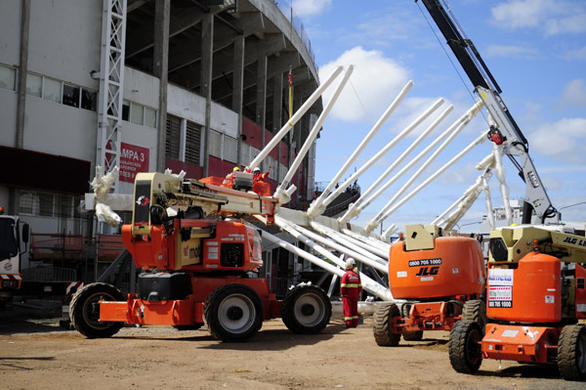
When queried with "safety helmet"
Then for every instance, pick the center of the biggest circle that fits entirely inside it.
(257, 169)
(236, 169)
(349, 263)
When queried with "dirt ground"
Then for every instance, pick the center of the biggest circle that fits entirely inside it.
(35, 354)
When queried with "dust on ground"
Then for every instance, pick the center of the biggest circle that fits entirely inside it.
(35, 353)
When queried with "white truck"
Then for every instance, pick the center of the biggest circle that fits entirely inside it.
(14, 251)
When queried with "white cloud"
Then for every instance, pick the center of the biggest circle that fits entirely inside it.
(373, 85)
(522, 13)
(573, 24)
(574, 93)
(577, 54)
(309, 7)
(550, 16)
(564, 139)
(511, 51)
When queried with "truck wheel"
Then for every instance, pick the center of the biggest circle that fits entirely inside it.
(306, 309)
(413, 336)
(572, 352)
(464, 347)
(382, 319)
(84, 310)
(233, 312)
(475, 310)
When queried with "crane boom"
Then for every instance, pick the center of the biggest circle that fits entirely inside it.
(504, 130)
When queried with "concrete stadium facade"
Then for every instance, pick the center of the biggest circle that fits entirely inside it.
(205, 87)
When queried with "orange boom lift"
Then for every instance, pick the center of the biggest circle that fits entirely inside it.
(536, 296)
(440, 281)
(197, 256)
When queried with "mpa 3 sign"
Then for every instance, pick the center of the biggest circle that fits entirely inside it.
(133, 159)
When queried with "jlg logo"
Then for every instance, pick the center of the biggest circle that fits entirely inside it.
(428, 271)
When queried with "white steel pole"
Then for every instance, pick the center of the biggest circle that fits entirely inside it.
(488, 161)
(489, 212)
(473, 144)
(289, 125)
(283, 193)
(354, 209)
(500, 175)
(316, 204)
(454, 129)
(328, 242)
(375, 288)
(382, 152)
(366, 259)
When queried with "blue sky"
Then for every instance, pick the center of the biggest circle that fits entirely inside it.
(536, 50)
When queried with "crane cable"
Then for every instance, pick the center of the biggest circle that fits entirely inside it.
(451, 60)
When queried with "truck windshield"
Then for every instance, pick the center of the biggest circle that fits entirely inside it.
(8, 244)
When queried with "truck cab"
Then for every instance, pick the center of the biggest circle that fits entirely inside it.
(14, 250)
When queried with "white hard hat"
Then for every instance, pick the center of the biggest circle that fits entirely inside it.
(349, 263)
(257, 169)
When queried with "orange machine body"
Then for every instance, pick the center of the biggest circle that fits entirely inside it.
(524, 308)
(232, 246)
(187, 311)
(455, 266)
(435, 282)
(531, 293)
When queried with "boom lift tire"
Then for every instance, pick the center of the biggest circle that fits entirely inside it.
(413, 336)
(464, 347)
(571, 358)
(84, 310)
(475, 310)
(382, 320)
(306, 309)
(233, 312)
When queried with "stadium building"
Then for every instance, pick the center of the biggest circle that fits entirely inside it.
(193, 85)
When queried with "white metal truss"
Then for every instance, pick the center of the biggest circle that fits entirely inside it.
(111, 85)
(329, 239)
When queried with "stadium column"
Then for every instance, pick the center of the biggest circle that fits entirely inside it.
(277, 114)
(261, 96)
(238, 87)
(160, 70)
(207, 53)
(21, 93)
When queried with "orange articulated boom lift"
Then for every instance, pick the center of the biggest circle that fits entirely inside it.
(536, 298)
(535, 288)
(197, 255)
(440, 281)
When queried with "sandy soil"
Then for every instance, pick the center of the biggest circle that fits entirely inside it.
(35, 355)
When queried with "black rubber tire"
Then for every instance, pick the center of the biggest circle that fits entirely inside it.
(464, 347)
(239, 302)
(475, 310)
(381, 327)
(413, 336)
(84, 310)
(572, 353)
(306, 309)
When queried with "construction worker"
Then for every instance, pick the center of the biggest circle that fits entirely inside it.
(350, 289)
(259, 176)
(229, 180)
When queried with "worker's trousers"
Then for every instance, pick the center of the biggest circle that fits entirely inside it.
(350, 306)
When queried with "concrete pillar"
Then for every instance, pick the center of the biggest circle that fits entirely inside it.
(261, 96)
(277, 114)
(25, 17)
(22, 71)
(160, 70)
(238, 87)
(207, 54)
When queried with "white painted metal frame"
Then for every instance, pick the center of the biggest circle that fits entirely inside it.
(111, 85)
